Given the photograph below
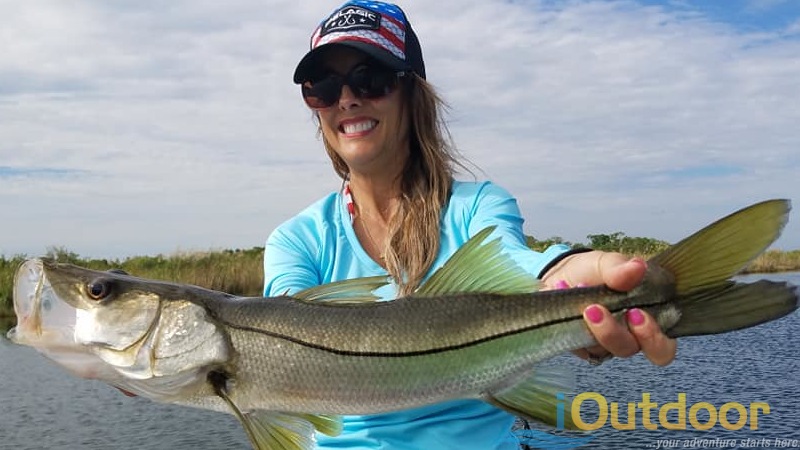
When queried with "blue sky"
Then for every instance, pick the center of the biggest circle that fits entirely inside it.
(153, 127)
(743, 15)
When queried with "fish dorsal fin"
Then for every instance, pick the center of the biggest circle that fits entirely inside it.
(479, 267)
(274, 430)
(536, 397)
(357, 290)
(720, 250)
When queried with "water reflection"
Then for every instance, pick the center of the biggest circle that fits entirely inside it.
(45, 407)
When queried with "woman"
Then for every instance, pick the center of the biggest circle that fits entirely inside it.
(400, 212)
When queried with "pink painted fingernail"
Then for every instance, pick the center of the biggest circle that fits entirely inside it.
(581, 284)
(561, 284)
(635, 317)
(593, 314)
(638, 260)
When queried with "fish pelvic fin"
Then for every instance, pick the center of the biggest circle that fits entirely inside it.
(479, 267)
(537, 397)
(733, 306)
(273, 430)
(711, 256)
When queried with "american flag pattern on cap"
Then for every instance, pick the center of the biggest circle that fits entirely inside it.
(375, 23)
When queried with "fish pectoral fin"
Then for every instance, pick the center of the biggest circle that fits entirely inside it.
(328, 424)
(535, 398)
(273, 430)
(356, 290)
(479, 267)
(270, 430)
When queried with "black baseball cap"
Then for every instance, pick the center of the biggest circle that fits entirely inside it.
(381, 30)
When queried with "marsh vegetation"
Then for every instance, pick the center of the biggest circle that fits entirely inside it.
(239, 272)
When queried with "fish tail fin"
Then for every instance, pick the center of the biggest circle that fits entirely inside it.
(733, 306)
(717, 252)
(708, 302)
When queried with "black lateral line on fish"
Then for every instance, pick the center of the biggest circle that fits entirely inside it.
(433, 350)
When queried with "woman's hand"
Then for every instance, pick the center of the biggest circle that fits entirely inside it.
(641, 333)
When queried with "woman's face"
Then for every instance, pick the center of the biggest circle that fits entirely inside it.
(370, 135)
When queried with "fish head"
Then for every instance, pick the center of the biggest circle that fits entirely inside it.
(118, 328)
(47, 322)
(85, 320)
(58, 303)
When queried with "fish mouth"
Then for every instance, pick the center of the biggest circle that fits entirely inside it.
(42, 317)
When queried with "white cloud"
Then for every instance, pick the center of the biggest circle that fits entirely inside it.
(793, 29)
(184, 129)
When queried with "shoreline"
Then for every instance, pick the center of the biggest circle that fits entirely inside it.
(7, 313)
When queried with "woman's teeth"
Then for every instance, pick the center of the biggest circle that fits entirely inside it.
(359, 127)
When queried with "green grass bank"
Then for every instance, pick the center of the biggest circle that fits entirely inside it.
(239, 272)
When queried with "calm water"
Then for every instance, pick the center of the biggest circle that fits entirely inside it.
(42, 407)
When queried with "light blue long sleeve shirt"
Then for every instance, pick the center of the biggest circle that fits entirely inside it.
(320, 246)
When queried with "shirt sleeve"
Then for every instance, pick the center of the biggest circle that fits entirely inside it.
(288, 264)
(494, 206)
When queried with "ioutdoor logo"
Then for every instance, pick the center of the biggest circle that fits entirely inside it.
(537, 439)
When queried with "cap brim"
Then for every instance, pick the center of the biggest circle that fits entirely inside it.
(311, 61)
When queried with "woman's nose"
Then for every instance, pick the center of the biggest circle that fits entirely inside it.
(348, 99)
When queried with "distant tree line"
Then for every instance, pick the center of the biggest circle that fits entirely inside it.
(613, 242)
(239, 271)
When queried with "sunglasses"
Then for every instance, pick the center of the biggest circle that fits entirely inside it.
(369, 81)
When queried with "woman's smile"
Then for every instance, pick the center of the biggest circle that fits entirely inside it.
(357, 126)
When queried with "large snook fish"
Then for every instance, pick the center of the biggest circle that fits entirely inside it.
(286, 366)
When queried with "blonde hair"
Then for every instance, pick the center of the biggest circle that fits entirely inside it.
(425, 184)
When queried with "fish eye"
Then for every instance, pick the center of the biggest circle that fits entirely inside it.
(98, 289)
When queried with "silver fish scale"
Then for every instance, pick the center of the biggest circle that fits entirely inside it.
(275, 373)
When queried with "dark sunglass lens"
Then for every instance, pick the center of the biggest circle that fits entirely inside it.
(372, 82)
(366, 81)
(322, 93)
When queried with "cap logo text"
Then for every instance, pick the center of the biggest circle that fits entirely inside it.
(351, 18)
